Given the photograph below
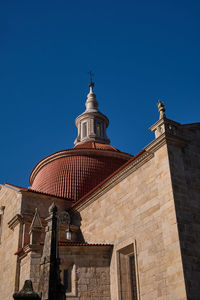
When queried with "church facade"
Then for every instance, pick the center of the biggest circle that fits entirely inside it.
(117, 226)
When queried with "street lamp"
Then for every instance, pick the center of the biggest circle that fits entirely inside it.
(68, 234)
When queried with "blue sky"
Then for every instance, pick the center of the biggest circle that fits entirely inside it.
(140, 51)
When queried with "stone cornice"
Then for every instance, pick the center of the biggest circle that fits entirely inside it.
(164, 139)
(161, 121)
(87, 115)
(32, 248)
(15, 221)
(23, 252)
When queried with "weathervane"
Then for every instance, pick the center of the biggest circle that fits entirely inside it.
(91, 78)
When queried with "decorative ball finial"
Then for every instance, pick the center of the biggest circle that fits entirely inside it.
(161, 109)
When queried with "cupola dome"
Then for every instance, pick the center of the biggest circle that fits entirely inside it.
(74, 172)
(92, 123)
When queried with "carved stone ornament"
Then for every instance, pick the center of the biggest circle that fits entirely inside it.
(15, 221)
(64, 218)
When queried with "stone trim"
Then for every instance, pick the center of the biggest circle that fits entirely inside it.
(164, 139)
(73, 279)
(23, 252)
(119, 248)
(161, 121)
(17, 219)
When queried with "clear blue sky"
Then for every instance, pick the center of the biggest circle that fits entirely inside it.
(139, 51)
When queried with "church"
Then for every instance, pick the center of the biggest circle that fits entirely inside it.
(100, 224)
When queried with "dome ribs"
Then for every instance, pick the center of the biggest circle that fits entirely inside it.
(72, 176)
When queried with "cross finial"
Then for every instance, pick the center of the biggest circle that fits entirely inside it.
(91, 84)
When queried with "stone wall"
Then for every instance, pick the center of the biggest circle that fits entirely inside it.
(16, 219)
(90, 272)
(185, 170)
(138, 209)
(30, 269)
(10, 243)
(24, 270)
(31, 201)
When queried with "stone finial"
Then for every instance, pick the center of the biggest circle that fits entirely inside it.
(91, 102)
(36, 223)
(35, 229)
(161, 109)
(26, 292)
(53, 208)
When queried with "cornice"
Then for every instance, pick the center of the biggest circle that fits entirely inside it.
(156, 144)
(32, 248)
(162, 121)
(89, 115)
(166, 139)
(23, 252)
(15, 221)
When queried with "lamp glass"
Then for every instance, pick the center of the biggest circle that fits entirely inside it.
(68, 234)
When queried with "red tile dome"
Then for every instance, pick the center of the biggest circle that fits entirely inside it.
(73, 173)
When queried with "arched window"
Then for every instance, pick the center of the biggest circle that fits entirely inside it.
(84, 128)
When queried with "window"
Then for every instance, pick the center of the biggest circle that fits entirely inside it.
(84, 129)
(68, 278)
(98, 128)
(127, 273)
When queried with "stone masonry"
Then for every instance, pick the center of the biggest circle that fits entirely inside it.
(146, 213)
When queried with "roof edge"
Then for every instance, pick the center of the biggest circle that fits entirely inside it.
(23, 189)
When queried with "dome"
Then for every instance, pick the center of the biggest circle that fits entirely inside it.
(73, 173)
